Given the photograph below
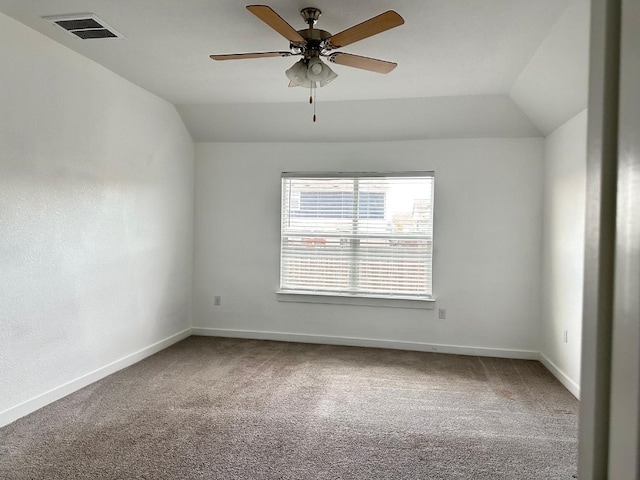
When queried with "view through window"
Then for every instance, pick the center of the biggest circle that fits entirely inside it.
(363, 234)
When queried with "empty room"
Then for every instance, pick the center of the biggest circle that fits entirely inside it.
(356, 240)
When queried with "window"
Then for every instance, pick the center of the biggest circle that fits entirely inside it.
(357, 234)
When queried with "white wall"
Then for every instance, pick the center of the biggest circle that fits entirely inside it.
(565, 176)
(96, 220)
(488, 223)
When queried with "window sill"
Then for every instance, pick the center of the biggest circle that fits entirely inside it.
(345, 299)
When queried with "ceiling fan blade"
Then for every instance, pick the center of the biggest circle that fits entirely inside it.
(275, 21)
(373, 26)
(240, 56)
(365, 63)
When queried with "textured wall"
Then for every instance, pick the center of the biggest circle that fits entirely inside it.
(96, 216)
(487, 254)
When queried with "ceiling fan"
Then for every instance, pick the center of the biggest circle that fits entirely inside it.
(313, 43)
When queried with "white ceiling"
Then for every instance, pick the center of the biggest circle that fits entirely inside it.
(446, 48)
(554, 86)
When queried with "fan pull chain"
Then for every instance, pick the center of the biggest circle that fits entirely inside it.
(314, 90)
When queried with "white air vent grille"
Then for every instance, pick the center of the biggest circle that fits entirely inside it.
(84, 25)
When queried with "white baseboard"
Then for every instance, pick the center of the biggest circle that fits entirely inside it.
(570, 385)
(33, 404)
(366, 342)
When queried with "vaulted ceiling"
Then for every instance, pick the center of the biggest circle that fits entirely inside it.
(466, 68)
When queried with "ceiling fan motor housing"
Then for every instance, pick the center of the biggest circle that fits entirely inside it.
(314, 42)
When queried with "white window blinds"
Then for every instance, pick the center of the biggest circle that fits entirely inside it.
(364, 234)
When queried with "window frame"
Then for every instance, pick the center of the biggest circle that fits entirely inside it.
(357, 298)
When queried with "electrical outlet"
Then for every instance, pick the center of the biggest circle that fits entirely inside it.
(216, 300)
(442, 313)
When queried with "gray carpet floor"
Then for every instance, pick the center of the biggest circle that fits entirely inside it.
(213, 408)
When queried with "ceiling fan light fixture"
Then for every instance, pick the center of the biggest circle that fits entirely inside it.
(298, 73)
(306, 84)
(318, 71)
(330, 78)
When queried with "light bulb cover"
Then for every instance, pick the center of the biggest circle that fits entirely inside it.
(310, 73)
(330, 78)
(305, 84)
(298, 73)
(318, 71)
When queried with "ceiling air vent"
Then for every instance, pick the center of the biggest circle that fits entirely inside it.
(84, 26)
